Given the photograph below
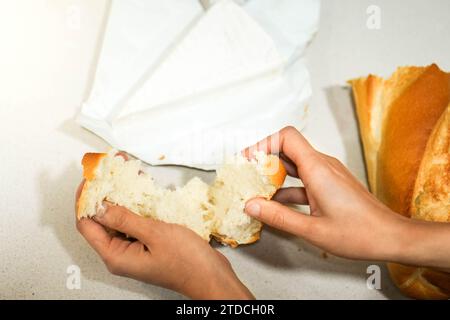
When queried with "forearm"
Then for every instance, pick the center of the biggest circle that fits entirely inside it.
(232, 290)
(425, 244)
(218, 288)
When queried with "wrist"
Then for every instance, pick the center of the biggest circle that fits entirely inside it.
(400, 244)
(407, 244)
(394, 241)
(425, 244)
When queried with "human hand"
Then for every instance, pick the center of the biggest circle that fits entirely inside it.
(345, 220)
(163, 254)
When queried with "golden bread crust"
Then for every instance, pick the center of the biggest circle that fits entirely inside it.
(420, 283)
(275, 171)
(365, 94)
(225, 240)
(90, 163)
(404, 127)
(431, 197)
(233, 243)
(373, 97)
(406, 130)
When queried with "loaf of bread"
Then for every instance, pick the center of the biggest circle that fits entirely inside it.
(215, 210)
(404, 124)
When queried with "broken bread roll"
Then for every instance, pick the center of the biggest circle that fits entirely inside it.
(215, 210)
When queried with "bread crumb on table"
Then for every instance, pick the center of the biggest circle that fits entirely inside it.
(162, 157)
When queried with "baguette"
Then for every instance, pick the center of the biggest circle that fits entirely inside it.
(404, 124)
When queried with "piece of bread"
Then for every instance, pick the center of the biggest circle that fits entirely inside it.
(215, 210)
(404, 124)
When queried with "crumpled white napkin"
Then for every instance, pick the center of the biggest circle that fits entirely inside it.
(191, 82)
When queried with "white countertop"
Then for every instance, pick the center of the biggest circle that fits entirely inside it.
(47, 51)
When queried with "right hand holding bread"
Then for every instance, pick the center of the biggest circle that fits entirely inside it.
(346, 219)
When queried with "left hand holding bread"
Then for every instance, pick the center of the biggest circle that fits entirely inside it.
(163, 254)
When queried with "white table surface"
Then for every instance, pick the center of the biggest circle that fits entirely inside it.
(46, 67)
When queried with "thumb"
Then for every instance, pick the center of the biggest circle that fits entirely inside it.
(280, 217)
(123, 220)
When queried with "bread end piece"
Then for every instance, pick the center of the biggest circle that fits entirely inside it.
(273, 173)
(420, 283)
(90, 163)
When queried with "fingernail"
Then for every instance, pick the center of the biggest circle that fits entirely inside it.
(253, 209)
(122, 154)
(101, 209)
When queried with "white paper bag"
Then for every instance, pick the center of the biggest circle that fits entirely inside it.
(190, 82)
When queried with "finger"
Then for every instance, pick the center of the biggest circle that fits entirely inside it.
(290, 167)
(296, 195)
(121, 256)
(123, 220)
(288, 141)
(280, 217)
(94, 233)
(123, 154)
(129, 259)
(97, 237)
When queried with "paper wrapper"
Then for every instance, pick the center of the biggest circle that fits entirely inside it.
(183, 82)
